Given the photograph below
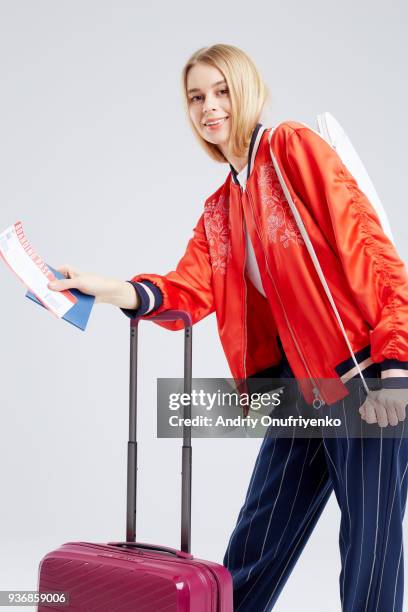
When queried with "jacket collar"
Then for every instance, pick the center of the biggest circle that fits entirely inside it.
(252, 150)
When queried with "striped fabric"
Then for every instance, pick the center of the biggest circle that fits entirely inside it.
(347, 368)
(394, 374)
(291, 483)
(150, 298)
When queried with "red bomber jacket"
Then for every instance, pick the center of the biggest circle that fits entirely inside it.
(368, 280)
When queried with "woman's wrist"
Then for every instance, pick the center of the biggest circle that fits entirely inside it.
(119, 293)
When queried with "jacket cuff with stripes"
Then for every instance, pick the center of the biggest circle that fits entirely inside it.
(394, 374)
(150, 297)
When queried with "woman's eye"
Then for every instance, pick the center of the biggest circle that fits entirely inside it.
(198, 98)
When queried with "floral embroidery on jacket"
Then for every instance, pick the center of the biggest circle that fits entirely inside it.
(280, 223)
(216, 222)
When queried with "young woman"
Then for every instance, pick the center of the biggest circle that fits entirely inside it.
(247, 261)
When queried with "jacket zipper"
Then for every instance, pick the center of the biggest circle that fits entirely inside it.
(245, 290)
(318, 401)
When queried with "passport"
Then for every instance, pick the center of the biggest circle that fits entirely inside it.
(79, 314)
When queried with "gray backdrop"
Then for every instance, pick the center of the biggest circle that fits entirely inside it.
(99, 164)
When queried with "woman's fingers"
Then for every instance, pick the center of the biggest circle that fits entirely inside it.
(91, 284)
(71, 278)
(375, 412)
(381, 412)
(392, 413)
(385, 407)
(68, 271)
(62, 284)
(401, 411)
(370, 413)
(64, 270)
(102, 288)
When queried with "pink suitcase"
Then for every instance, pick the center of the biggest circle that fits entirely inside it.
(133, 576)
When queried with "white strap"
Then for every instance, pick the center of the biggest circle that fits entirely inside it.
(313, 255)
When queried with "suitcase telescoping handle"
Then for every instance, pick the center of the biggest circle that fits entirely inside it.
(167, 315)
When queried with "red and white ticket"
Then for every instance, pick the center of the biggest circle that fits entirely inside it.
(32, 271)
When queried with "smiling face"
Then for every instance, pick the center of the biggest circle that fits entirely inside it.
(209, 104)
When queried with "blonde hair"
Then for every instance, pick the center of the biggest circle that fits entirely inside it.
(248, 95)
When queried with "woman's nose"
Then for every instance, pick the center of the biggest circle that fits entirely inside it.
(209, 105)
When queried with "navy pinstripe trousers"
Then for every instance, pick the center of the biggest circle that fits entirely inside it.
(291, 483)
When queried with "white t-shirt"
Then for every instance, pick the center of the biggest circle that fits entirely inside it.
(251, 267)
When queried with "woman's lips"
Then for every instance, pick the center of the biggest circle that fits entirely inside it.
(216, 125)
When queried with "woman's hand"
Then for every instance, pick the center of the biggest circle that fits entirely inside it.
(385, 407)
(109, 290)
